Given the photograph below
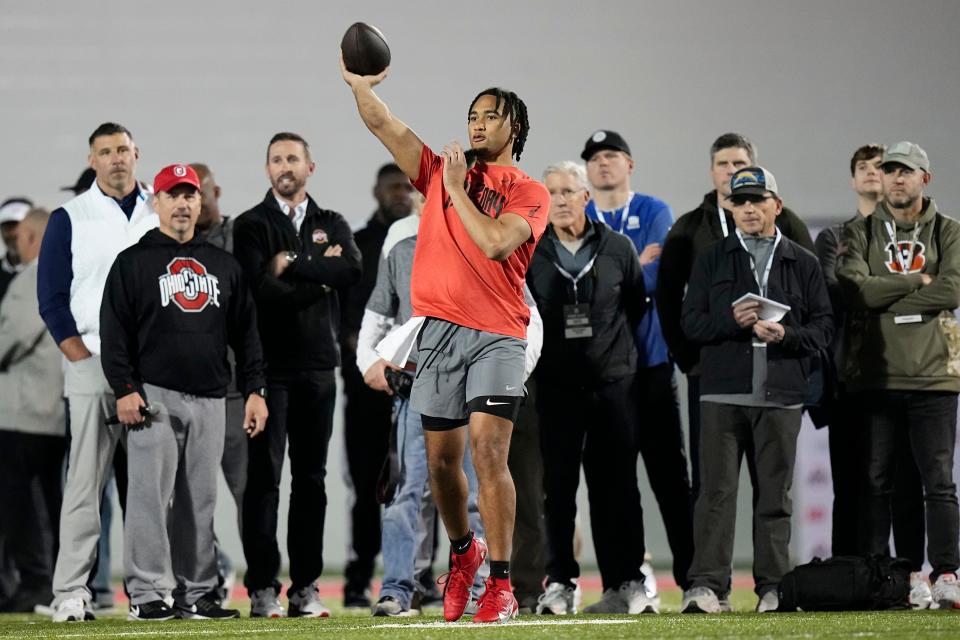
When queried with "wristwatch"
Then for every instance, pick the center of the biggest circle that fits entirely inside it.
(262, 392)
(291, 256)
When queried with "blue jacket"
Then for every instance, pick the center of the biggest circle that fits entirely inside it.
(647, 221)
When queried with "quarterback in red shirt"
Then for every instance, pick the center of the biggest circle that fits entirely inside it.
(479, 227)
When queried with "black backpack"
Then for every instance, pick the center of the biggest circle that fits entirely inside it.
(847, 583)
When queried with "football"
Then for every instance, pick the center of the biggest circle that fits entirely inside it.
(365, 50)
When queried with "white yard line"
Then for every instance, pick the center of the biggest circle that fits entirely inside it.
(225, 629)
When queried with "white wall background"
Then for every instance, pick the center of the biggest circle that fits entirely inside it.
(212, 81)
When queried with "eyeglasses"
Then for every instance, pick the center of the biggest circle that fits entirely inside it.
(739, 201)
(565, 194)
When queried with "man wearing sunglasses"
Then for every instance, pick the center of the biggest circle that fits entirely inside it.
(753, 382)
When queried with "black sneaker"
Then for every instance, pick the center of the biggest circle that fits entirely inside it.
(206, 608)
(356, 599)
(156, 611)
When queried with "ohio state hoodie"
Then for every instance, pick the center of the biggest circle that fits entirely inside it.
(169, 310)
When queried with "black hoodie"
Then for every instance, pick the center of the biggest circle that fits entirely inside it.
(167, 315)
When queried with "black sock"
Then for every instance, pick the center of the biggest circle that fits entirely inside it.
(500, 569)
(462, 545)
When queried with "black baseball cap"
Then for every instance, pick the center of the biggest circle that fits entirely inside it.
(83, 182)
(604, 139)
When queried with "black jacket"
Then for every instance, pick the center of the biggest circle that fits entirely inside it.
(168, 312)
(721, 275)
(298, 312)
(690, 235)
(613, 288)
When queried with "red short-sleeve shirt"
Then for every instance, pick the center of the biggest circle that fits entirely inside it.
(452, 278)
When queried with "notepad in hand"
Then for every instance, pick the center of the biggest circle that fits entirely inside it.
(771, 309)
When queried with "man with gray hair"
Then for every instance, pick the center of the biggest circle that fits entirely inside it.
(901, 277)
(587, 282)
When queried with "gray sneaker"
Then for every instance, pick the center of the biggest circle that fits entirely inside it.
(390, 606)
(556, 600)
(946, 591)
(610, 602)
(634, 593)
(305, 603)
(700, 600)
(264, 603)
(723, 599)
(769, 602)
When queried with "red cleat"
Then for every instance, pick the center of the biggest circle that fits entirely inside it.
(497, 604)
(456, 587)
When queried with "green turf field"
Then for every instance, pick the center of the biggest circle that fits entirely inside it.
(913, 625)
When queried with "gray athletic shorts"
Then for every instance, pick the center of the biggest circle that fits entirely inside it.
(458, 366)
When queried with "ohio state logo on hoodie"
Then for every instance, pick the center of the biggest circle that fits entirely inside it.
(188, 285)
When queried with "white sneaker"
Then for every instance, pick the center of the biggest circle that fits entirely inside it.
(264, 603)
(700, 600)
(770, 601)
(650, 581)
(634, 593)
(472, 606)
(226, 589)
(71, 610)
(558, 600)
(946, 591)
(920, 596)
(305, 603)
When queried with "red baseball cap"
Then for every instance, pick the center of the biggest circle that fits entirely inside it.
(175, 174)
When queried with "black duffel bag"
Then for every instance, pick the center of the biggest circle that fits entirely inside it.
(847, 583)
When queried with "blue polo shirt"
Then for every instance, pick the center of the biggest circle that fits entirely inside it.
(645, 220)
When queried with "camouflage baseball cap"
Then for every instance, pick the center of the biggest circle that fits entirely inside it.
(908, 154)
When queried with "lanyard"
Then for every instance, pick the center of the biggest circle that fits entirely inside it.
(904, 266)
(575, 279)
(723, 217)
(623, 217)
(761, 282)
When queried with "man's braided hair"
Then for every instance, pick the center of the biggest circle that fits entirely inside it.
(515, 109)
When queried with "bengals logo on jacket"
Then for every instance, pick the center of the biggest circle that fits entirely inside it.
(905, 248)
(188, 285)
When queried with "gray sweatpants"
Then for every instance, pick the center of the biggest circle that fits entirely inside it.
(92, 444)
(728, 433)
(173, 464)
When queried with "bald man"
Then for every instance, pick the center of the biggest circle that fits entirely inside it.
(211, 225)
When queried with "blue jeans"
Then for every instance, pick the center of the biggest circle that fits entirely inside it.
(403, 529)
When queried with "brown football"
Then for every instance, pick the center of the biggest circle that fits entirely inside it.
(365, 50)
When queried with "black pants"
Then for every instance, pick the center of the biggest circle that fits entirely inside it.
(366, 436)
(31, 468)
(598, 429)
(527, 562)
(929, 421)
(769, 437)
(660, 439)
(301, 408)
(848, 467)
